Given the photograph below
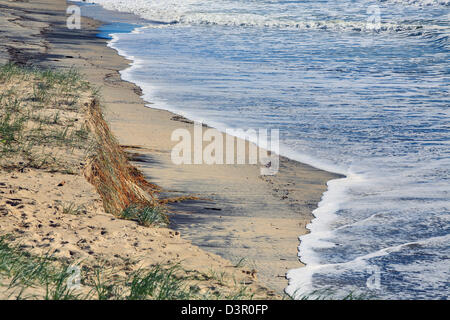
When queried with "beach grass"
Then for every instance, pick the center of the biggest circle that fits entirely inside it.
(146, 216)
(73, 209)
(27, 276)
(21, 272)
(38, 123)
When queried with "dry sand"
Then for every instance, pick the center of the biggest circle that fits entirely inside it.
(247, 215)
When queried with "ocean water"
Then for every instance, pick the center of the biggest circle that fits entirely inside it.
(359, 88)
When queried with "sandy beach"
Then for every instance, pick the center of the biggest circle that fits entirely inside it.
(241, 217)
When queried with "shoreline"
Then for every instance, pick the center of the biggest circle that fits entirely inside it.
(242, 223)
(134, 62)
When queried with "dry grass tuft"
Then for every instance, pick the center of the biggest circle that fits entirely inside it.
(119, 183)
